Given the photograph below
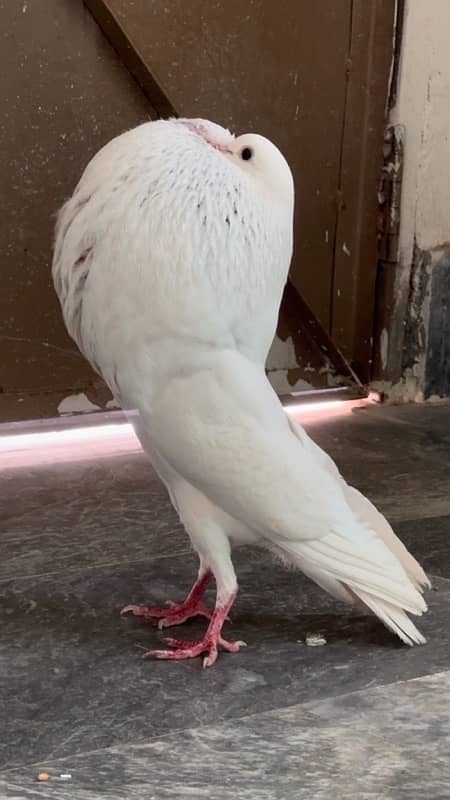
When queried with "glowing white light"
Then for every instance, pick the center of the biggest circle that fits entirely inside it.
(328, 406)
(70, 444)
(99, 441)
(24, 441)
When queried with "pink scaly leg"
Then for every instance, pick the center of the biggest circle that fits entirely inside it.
(177, 613)
(210, 642)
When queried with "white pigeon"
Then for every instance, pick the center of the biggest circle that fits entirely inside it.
(170, 262)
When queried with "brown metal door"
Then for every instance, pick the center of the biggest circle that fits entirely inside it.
(64, 94)
(278, 68)
(311, 76)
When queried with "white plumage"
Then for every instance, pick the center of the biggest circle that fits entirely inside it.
(170, 262)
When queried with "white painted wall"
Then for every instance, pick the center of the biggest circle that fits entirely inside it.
(423, 110)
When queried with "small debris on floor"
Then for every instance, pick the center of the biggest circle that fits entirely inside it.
(315, 640)
(65, 776)
(42, 776)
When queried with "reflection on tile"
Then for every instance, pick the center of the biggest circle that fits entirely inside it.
(34, 488)
(104, 514)
(396, 457)
(72, 678)
(116, 510)
(434, 419)
(388, 742)
(429, 540)
(407, 496)
(111, 527)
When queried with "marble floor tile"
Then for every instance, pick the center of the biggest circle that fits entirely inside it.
(115, 510)
(107, 522)
(429, 540)
(280, 720)
(399, 460)
(72, 676)
(33, 488)
(389, 742)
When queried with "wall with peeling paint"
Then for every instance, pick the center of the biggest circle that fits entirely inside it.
(415, 348)
(423, 107)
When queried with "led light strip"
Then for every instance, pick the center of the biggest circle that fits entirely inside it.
(99, 441)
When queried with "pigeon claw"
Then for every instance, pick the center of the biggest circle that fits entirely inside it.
(187, 649)
(172, 614)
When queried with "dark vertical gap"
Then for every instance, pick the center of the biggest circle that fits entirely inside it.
(341, 162)
(398, 37)
(387, 262)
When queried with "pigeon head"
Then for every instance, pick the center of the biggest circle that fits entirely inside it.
(255, 155)
(264, 164)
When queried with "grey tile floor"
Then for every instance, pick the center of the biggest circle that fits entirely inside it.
(362, 717)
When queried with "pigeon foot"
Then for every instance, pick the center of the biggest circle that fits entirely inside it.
(171, 614)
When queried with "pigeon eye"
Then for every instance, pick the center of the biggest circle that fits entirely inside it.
(246, 153)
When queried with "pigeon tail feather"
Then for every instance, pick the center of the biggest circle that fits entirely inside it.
(369, 573)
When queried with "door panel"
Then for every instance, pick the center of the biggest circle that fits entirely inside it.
(278, 69)
(314, 78)
(64, 94)
(355, 259)
(311, 76)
